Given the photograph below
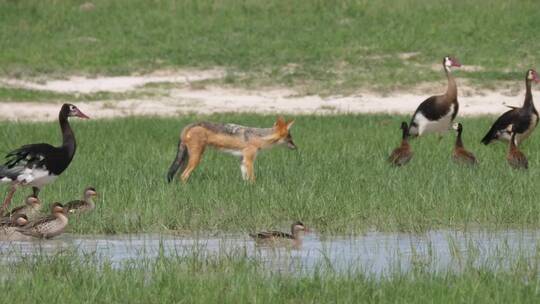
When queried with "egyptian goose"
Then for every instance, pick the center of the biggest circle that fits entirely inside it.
(85, 205)
(460, 154)
(402, 154)
(435, 114)
(49, 226)
(524, 119)
(516, 159)
(295, 237)
(37, 165)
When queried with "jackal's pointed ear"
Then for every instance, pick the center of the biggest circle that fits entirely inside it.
(290, 123)
(280, 122)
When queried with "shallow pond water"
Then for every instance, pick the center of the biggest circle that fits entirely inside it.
(373, 253)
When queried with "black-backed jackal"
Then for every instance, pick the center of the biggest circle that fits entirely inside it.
(241, 141)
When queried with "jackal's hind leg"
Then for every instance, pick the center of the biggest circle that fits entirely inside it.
(194, 159)
(247, 164)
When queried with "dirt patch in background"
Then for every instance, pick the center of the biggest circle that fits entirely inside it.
(213, 99)
(119, 84)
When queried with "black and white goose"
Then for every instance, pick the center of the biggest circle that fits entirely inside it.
(37, 165)
(435, 114)
(523, 120)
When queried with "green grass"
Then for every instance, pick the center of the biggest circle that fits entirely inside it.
(29, 95)
(337, 181)
(236, 279)
(327, 46)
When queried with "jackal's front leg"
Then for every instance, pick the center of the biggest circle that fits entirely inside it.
(246, 167)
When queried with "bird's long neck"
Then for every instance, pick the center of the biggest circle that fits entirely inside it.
(68, 138)
(459, 142)
(451, 90)
(405, 134)
(528, 103)
(405, 137)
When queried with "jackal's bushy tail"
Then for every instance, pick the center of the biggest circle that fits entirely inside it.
(178, 162)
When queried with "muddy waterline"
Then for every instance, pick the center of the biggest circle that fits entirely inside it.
(374, 253)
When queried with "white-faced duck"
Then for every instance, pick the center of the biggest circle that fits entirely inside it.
(402, 154)
(460, 155)
(516, 159)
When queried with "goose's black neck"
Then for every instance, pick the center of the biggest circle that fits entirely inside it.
(459, 142)
(68, 137)
(528, 103)
(405, 134)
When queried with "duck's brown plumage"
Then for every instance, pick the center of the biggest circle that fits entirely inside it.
(460, 154)
(84, 205)
(296, 229)
(49, 226)
(402, 154)
(516, 159)
(9, 231)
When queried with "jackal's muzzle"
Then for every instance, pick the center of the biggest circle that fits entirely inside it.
(290, 144)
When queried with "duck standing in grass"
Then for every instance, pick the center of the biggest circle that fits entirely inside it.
(49, 226)
(82, 206)
(516, 159)
(460, 154)
(402, 154)
(37, 165)
(31, 208)
(435, 114)
(277, 237)
(523, 120)
(8, 231)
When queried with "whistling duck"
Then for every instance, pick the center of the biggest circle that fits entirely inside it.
(85, 205)
(49, 226)
(295, 237)
(516, 159)
(402, 154)
(9, 231)
(435, 114)
(460, 154)
(37, 165)
(524, 119)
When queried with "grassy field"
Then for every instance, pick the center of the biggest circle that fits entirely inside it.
(21, 94)
(326, 47)
(338, 180)
(65, 279)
